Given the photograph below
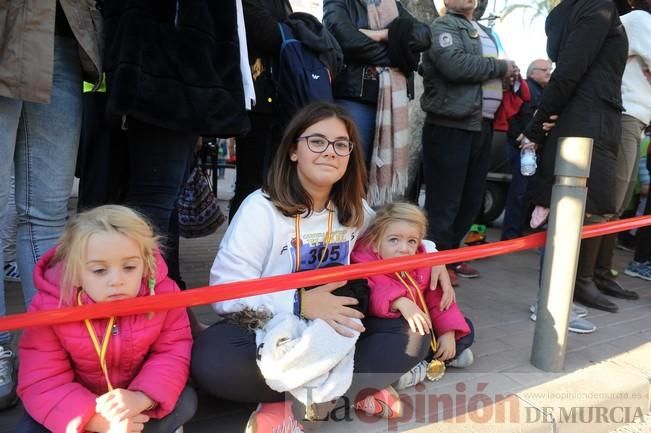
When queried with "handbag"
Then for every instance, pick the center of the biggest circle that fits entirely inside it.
(199, 211)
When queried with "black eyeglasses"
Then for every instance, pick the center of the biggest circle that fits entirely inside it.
(319, 144)
(542, 69)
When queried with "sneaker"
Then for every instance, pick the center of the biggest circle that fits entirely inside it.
(413, 377)
(639, 270)
(580, 325)
(464, 270)
(8, 396)
(577, 310)
(384, 403)
(463, 360)
(273, 418)
(577, 324)
(11, 272)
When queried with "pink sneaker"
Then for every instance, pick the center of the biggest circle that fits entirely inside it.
(273, 418)
(384, 403)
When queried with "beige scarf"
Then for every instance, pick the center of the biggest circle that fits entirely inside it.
(390, 155)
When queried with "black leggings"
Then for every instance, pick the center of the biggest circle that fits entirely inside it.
(223, 360)
(182, 413)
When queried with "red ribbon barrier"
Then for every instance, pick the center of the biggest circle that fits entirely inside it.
(242, 289)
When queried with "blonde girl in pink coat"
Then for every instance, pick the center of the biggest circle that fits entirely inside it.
(118, 374)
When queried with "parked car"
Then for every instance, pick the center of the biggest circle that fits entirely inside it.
(497, 180)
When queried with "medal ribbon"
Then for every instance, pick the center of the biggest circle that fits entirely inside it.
(326, 239)
(422, 305)
(100, 349)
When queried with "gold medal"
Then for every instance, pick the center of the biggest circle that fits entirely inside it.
(435, 370)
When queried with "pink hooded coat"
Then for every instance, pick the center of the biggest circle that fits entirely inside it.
(386, 288)
(60, 376)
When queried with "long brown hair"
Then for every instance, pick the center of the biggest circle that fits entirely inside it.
(284, 187)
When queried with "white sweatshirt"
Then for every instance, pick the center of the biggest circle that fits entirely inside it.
(259, 243)
(636, 90)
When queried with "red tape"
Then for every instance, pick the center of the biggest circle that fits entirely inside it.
(260, 286)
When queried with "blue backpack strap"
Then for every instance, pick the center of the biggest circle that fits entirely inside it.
(282, 31)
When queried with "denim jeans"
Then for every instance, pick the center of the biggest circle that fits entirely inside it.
(8, 225)
(517, 203)
(41, 141)
(364, 116)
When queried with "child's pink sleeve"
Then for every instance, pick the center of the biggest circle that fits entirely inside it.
(383, 292)
(444, 321)
(165, 372)
(46, 381)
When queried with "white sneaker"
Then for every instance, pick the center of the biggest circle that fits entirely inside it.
(463, 360)
(413, 377)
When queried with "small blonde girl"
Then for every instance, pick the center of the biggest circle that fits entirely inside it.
(113, 374)
(398, 230)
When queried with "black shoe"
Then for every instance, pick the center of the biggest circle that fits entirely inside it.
(586, 293)
(610, 287)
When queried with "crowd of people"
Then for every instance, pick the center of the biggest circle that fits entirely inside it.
(119, 93)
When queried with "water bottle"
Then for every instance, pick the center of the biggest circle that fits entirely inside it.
(527, 159)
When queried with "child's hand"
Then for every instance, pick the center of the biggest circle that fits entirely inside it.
(129, 425)
(121, 404)
(418, 321)
(441, 277)
(447, 347)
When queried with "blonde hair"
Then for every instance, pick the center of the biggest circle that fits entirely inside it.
(71, 251)
(389, 214)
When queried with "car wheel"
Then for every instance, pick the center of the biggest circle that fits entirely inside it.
(494, 201)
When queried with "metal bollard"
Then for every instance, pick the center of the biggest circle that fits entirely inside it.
(569, 192)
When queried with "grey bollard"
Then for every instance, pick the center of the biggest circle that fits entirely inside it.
(566, 216)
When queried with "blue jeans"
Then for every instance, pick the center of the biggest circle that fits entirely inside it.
(42, 141)
(515, 212)
(364, 116)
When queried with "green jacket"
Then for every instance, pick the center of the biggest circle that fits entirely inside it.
(453, 70)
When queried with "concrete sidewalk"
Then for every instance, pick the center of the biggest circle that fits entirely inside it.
(606, 382)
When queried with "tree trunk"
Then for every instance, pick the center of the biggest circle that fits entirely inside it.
(425, 12)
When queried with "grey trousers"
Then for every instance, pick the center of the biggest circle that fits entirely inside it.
(628, 161)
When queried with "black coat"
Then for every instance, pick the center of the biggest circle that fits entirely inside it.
(261, 18)
(587, 41)
(343, 18)
(175, 64)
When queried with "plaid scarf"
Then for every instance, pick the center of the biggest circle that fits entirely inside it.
(390, 156)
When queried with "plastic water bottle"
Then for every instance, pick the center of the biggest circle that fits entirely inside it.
(527, 159)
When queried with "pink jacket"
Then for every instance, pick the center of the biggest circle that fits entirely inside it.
(386, 288)
(60, 376)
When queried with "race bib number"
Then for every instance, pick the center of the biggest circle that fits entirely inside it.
(318, 256)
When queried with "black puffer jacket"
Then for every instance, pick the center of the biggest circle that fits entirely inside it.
(175, 64)
(343, 18)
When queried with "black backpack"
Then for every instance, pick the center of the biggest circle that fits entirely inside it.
(301, 78)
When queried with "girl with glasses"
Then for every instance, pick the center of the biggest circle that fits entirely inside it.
(308, 215)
